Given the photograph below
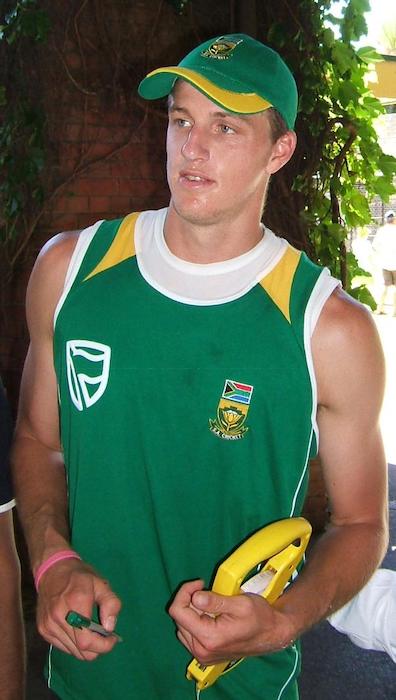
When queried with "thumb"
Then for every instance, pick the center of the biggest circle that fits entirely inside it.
(108, 603)
(210, 602)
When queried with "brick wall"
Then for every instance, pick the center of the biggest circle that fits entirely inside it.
(106, 154)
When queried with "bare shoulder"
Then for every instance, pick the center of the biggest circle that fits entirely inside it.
(346, 348)
(342, 317)
(56, 254)
(345, 326)
(48, 276)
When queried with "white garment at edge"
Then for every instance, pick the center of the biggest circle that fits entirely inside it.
(369, 619)
(384, 246)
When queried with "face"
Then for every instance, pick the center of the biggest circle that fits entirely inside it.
(218, 162)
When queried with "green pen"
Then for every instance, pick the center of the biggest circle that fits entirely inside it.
(76, 620)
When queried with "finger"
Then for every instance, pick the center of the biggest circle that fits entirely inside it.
(108, 603)
(185, 592)
(83, 644)
(55, 635)
(185, 639)
(182, 599)
(90, 644)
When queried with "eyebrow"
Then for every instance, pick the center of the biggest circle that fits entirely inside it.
(215, 115)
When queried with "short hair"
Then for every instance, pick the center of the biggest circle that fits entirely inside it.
(277, 124)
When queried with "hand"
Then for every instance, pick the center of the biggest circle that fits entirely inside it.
(73, 585)
(216, 628)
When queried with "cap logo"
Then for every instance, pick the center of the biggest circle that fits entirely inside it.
(221, 49)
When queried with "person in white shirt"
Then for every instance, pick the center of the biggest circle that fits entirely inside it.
(384, 247)
(369, 619)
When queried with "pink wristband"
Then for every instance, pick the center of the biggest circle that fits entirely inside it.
(53, 559)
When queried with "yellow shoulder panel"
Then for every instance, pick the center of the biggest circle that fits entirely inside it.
(122, 247)
(278, 282)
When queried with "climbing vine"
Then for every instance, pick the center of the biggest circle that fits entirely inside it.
(22, 148)
(339, 165)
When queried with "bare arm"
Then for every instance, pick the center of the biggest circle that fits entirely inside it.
(12, 657)
(39, 474)
(350, 374)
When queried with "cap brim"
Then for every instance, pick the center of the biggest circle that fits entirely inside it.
(159, 83)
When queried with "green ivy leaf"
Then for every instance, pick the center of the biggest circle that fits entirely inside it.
(362, 294)
(368, 54)
(341, 55)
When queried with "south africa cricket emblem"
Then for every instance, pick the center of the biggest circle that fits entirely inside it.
(232, 411)
(221, 49)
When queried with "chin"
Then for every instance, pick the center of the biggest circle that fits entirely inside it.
(196, 212)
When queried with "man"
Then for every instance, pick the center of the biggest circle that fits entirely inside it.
(384, 245)
(12, 657)
(191, 398)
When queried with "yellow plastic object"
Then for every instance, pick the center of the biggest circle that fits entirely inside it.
(281, 546)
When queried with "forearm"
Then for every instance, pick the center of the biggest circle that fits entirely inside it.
(338, 566)
(12, 657)
(41, 494)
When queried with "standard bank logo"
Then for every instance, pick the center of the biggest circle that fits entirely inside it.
(88, 365)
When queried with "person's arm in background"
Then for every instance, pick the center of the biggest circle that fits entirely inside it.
(349, 367)
(39, 474)
(369, 618)
(12, 656)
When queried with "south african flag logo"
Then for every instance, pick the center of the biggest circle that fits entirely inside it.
(232, 411)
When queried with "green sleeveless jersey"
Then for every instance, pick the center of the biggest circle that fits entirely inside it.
(186, 425)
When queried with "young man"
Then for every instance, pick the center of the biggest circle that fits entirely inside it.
(12, 657)
(197, 359)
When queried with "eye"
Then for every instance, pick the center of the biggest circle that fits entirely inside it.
(181, 123)
(226, 129)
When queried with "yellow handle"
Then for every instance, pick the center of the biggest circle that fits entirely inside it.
(281, 545)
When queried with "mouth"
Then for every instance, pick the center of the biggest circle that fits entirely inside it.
(194, 180)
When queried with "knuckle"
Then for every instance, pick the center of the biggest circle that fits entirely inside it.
(211, 645)
(246, 603)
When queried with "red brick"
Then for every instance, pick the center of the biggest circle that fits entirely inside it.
(84, 220)
(95, 186)
(99, 150)
(125, 185)
(121, 203)
(62, 222)
(72, 204)
(145, 188)
(99, 204)
(73, 60)
(71, 152)
(73, 132)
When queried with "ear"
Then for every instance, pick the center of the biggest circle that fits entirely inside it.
(282, 151)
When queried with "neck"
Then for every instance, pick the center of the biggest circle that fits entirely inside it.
(205, 243)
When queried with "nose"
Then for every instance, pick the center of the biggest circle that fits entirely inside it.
(195, 146)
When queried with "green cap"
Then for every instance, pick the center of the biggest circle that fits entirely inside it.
(236, 72)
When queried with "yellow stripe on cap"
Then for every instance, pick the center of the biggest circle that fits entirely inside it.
(122, 247)
(241, 102)
(278, 282)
